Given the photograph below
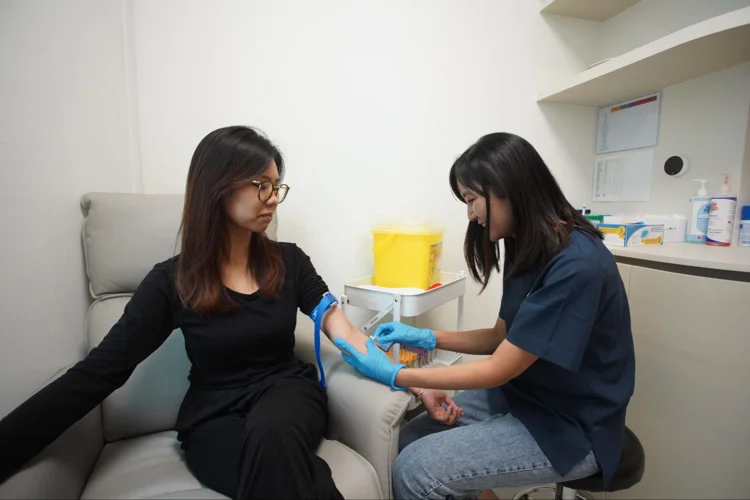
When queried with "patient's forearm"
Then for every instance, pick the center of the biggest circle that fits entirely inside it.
(337, 325)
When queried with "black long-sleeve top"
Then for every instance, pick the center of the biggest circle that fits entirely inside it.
(233, 356)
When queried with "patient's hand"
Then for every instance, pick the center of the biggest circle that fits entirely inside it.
(433, 401)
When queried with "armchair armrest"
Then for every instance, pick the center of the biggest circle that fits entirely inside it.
(366, 416)
(62, 469)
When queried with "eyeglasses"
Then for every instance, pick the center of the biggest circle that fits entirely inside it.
(266, 190)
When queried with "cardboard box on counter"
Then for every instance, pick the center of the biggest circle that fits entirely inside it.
(632, 235)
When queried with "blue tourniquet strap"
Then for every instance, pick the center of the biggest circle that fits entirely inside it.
(318, 321)
(326, 302)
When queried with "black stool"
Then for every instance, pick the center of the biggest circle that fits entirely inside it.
(629, 473)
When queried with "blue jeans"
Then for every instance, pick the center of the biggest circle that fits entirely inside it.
(487, 448)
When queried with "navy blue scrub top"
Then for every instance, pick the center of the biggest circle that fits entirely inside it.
(574, 315)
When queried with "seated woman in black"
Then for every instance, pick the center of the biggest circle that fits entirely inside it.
(254, 414)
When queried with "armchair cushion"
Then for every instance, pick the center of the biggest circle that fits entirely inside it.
(154, 467)
(142, 467)
(124, 235)
(120, 249)
(150, 399)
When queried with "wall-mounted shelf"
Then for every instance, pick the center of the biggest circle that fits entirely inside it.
(591, 10)
(711, 45)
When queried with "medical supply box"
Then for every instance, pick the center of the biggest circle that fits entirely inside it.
(632, 235)
(407, 256)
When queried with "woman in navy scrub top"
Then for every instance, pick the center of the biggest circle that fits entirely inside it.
(548, 403)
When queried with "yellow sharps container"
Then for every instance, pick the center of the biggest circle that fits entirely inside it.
(407, 256)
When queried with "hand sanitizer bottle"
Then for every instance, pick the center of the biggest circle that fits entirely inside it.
(700, 209)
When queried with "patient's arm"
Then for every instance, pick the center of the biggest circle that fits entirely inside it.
(337, 325)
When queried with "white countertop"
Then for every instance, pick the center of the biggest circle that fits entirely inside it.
(731, 258)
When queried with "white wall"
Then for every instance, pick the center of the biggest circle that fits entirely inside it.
(705, 120)
(743, 197)
(63, 132)
(379, 97)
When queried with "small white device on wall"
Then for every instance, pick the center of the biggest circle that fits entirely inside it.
(675, 166)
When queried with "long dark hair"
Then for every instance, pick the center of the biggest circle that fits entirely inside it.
(508, 167)
(225, 159)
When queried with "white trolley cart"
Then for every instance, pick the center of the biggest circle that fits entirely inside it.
(407, 303)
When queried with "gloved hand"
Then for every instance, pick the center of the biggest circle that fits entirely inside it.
(388, 334)
(375, 364)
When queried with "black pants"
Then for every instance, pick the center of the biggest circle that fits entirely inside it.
(269, 452)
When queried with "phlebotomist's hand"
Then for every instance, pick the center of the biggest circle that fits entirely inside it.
(440, 406)
(388, 334)
(375, 364)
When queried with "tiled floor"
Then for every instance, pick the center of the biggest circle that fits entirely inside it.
(509, 493)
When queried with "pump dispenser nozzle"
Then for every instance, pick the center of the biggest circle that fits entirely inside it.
(725, 189)
(702, 190)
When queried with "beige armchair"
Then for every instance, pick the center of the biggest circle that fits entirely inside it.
(126, 448)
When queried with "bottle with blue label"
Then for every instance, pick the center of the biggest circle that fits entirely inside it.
(700, 210)
(744, 240)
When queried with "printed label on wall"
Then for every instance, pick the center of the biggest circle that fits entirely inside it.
(436, 251)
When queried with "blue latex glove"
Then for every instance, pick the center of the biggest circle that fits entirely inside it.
(375, 364)
(388, 334)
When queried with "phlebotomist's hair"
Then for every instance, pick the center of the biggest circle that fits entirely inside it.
(224, 160)
(508, 167)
